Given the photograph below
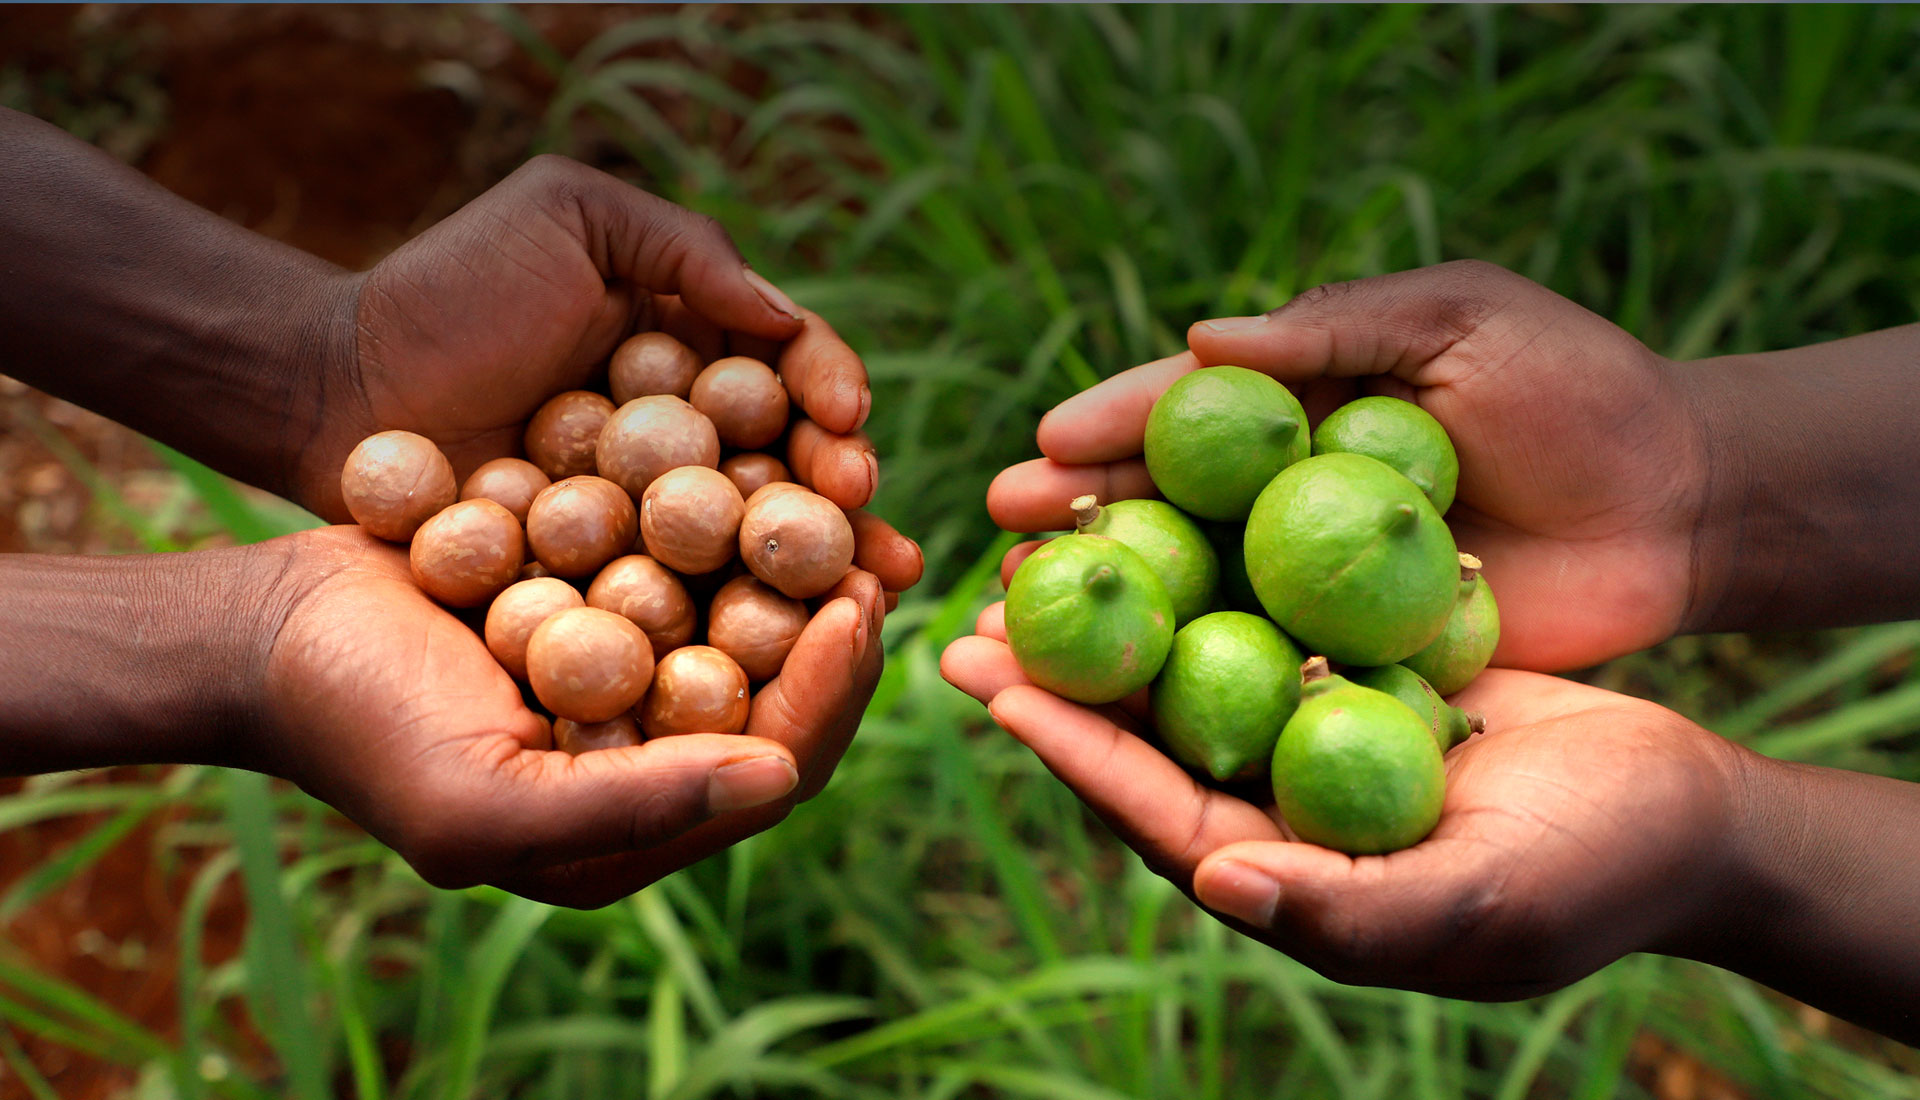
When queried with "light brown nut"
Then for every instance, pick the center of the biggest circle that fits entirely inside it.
(574, 738)
(696, 689)
(755, 625)
(395, 481)
(649, 364)
(516, 613)
(772, 487)
(744, 399)
(750, 470)
(648, 436)
(690, 519)
(577, 525)
(468, 553)
(588, 665)
(798, 542)
(561, 436)
(650, 597)
(512, 483)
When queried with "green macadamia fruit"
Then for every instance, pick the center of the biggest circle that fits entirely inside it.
(395, 481)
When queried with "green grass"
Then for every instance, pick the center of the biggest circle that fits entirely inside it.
(999, 206)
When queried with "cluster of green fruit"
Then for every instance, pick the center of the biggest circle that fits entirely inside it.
(1276, 544)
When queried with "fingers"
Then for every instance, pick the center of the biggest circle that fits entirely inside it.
(658, 245)
(1108, 422)
(825, 378)
(1021, 552)
(842, 468)
(815, 704)
(886, 553)
(981, 666)
(1389, 324)
(1144, 797)
(1033, 495)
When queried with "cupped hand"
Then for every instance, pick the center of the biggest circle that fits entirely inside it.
(1581, 826)
(462, 333)
(388, 707)
(1582, 473)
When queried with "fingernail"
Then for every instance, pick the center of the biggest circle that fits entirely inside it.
(771, 294)
(751, 782)
(861, 630)
(1240, 891)
(866, 406)
(873, 474)
(1233, 324)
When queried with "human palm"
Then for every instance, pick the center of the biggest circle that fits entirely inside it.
(390, 708)
(1565, 826)
(1580, 484)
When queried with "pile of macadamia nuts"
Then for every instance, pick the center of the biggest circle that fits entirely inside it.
(590, 554)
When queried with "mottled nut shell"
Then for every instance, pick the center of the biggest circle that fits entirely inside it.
(772, 487)
(648, 436)
(750, 470)
(649, 596)
(798, 542)
(580, 524)
(755, 625)
(574, 738)
(589, 665)
(561, 436)
(518, 612)
(696, 689)
(744, 399)
(690, 519)
(467, 553)
(395, 481)
(512, 483)
(650, 364)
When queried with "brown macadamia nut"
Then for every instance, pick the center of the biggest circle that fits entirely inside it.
(577, 525)
(799, 542)
(588, 665)
(516, 613)
(751, 470)
(696, 689)
(650, 364)
(512, 483)
(467, 553)
(755, 625)
(395, 481)
(690, 519)
(648, 436)
(772, 487)
(744, 399)
(574, 738)
(650, 597)
(561, 436)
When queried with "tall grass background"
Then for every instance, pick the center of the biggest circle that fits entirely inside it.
(999, 206)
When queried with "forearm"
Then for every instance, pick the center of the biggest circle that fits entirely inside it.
(134, 659)
(1824, 893)
(1812, 500)
(119, 296)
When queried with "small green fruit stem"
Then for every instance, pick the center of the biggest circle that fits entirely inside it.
(1086, 509)
(1476, 722)
(1316, 668)
(1469, 566)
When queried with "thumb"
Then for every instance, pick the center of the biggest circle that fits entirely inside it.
(1389, 324)
(663, 247)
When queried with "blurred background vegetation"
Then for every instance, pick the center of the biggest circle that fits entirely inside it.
(997, 206)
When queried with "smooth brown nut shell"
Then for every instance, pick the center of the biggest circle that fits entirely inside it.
(690, 519)
(755, 625)
(512, 483)
(574, 738)
(648, 436)
(516, 613)
(649, 364)
(772, 487)
(561, 436)
(580, 524)
(751, 470)
(589, 665)
(467, 553)
(696, 689)
(649, 596)
(744, 399)
(798, 542)
(395, 481)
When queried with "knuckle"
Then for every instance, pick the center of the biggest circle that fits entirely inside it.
(658, 814)
(1313, 297)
